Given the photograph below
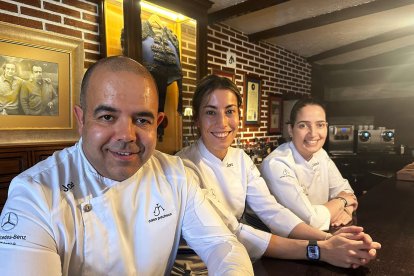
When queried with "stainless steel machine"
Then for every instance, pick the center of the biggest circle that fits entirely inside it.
(376, 140)
(341, 139)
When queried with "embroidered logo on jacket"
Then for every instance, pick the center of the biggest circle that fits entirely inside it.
(286, 173)
(159, 213)
(68, 187)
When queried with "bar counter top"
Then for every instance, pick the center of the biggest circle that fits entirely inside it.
(387, 213)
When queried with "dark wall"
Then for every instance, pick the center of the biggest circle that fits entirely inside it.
(394, 113)
(378, 93)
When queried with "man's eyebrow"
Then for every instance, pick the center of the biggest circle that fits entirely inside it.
(102, 108)
(145, 114)
(105, 108)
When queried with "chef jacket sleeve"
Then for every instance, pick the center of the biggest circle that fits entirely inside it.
(254, 240)
(279, 219)
(27, 246)
(284, 185)
(206, 233)
(337, 183)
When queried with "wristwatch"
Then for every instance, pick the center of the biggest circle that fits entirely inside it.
(312, 251)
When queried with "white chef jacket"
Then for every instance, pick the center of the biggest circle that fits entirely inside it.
(233, 182)
(61, 216)
(304, 186)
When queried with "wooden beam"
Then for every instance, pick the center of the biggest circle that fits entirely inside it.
(333, 17)
(400, 56)
(388, 36)
(240, 9)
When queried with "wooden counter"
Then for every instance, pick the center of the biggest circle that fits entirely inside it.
(387, 213)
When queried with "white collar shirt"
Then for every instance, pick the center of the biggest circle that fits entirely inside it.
(67, 219)
(304, 186)
(234, 181)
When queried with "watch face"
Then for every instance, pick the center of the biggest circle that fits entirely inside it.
(313, 252)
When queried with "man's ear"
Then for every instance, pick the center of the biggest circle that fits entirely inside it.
(79, 118)
(160, 117)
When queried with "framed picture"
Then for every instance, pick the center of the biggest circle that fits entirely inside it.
(44, 72)
(274, 115)
(252, 100)
(225, 74)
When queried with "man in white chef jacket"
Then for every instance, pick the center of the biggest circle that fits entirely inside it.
(112, 204)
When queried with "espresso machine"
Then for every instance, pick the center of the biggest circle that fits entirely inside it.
(376, 140)
(341, 139)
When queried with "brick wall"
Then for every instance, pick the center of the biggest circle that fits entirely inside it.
(282, 72)
(79, 19)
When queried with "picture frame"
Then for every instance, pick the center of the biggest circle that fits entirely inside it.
(225, 74)
(274, 114)
(61, 59)
(253, 87)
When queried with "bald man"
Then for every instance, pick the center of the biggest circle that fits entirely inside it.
(112, 204)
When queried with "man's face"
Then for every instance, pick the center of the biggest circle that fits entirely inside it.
(37, 73)
(119, 124)
(9, 70)
(218, 121)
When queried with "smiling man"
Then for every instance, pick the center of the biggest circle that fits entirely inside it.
(112, 204)
(10, 86)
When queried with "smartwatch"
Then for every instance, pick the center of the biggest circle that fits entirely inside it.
(312, 251)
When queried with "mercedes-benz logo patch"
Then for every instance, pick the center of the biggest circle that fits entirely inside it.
(9, 221)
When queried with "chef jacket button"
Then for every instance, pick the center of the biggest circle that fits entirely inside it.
(87, 207)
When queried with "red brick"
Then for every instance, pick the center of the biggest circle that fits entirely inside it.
(21, 21)
(91, 46)
(82, 5)
(92, 37)
(35, 3)
(91, 18)
(62, 10)
(8, 7)
(63, 30)
(81, 25)
(41, 14)
(92, 56)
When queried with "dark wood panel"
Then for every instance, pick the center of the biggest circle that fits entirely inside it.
(11, 164)
(3, 197)
(14, 159)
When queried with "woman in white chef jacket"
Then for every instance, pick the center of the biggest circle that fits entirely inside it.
(231, 179)
(301, 175)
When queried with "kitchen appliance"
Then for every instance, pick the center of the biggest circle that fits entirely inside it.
(341, 139)
(376, 140)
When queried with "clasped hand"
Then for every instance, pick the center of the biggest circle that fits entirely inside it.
(349, 247)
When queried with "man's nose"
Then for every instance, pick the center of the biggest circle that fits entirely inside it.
(125, 131)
